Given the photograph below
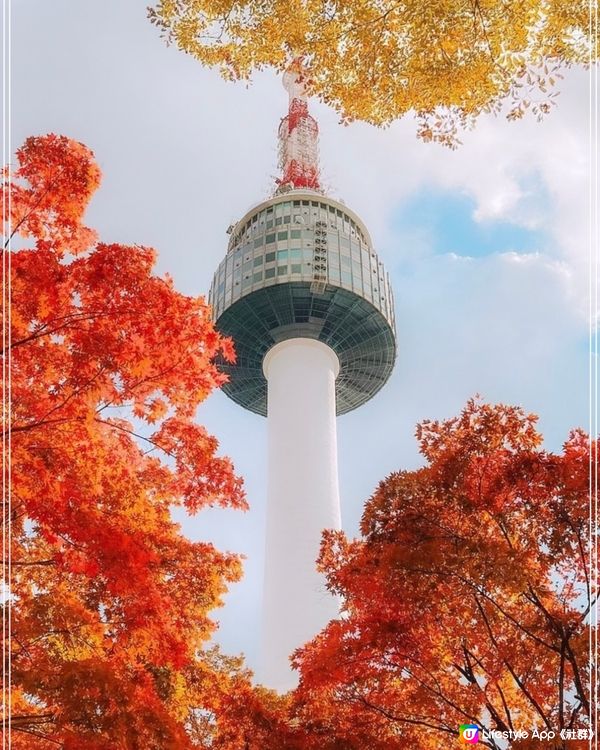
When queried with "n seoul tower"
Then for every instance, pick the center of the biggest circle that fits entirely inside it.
(310, 310)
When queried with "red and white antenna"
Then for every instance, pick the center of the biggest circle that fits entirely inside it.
(298, 135)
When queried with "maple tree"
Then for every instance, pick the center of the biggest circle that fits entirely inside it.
(448, 61)
(466, 599)
(110, 603)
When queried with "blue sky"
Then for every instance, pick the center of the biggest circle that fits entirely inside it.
(486, 246)
(445, 219)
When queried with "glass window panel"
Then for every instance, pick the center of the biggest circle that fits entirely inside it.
(282, 255)
(278, 221)
(296, 268)
(269, 273)
(258, 261)
(282, 235)
(295, 253)
(270, 238)
(295, 234)
(258, 241)
(269, 257)
(282, 270)
(257, 277)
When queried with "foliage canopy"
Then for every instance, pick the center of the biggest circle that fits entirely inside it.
(111, 604)
(448, 61)
(467, 597)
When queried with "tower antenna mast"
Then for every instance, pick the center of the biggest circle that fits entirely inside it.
(298, 136)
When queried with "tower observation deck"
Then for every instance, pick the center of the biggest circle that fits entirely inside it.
(309, 307)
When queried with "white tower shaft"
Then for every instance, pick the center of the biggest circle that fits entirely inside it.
(303, 499)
